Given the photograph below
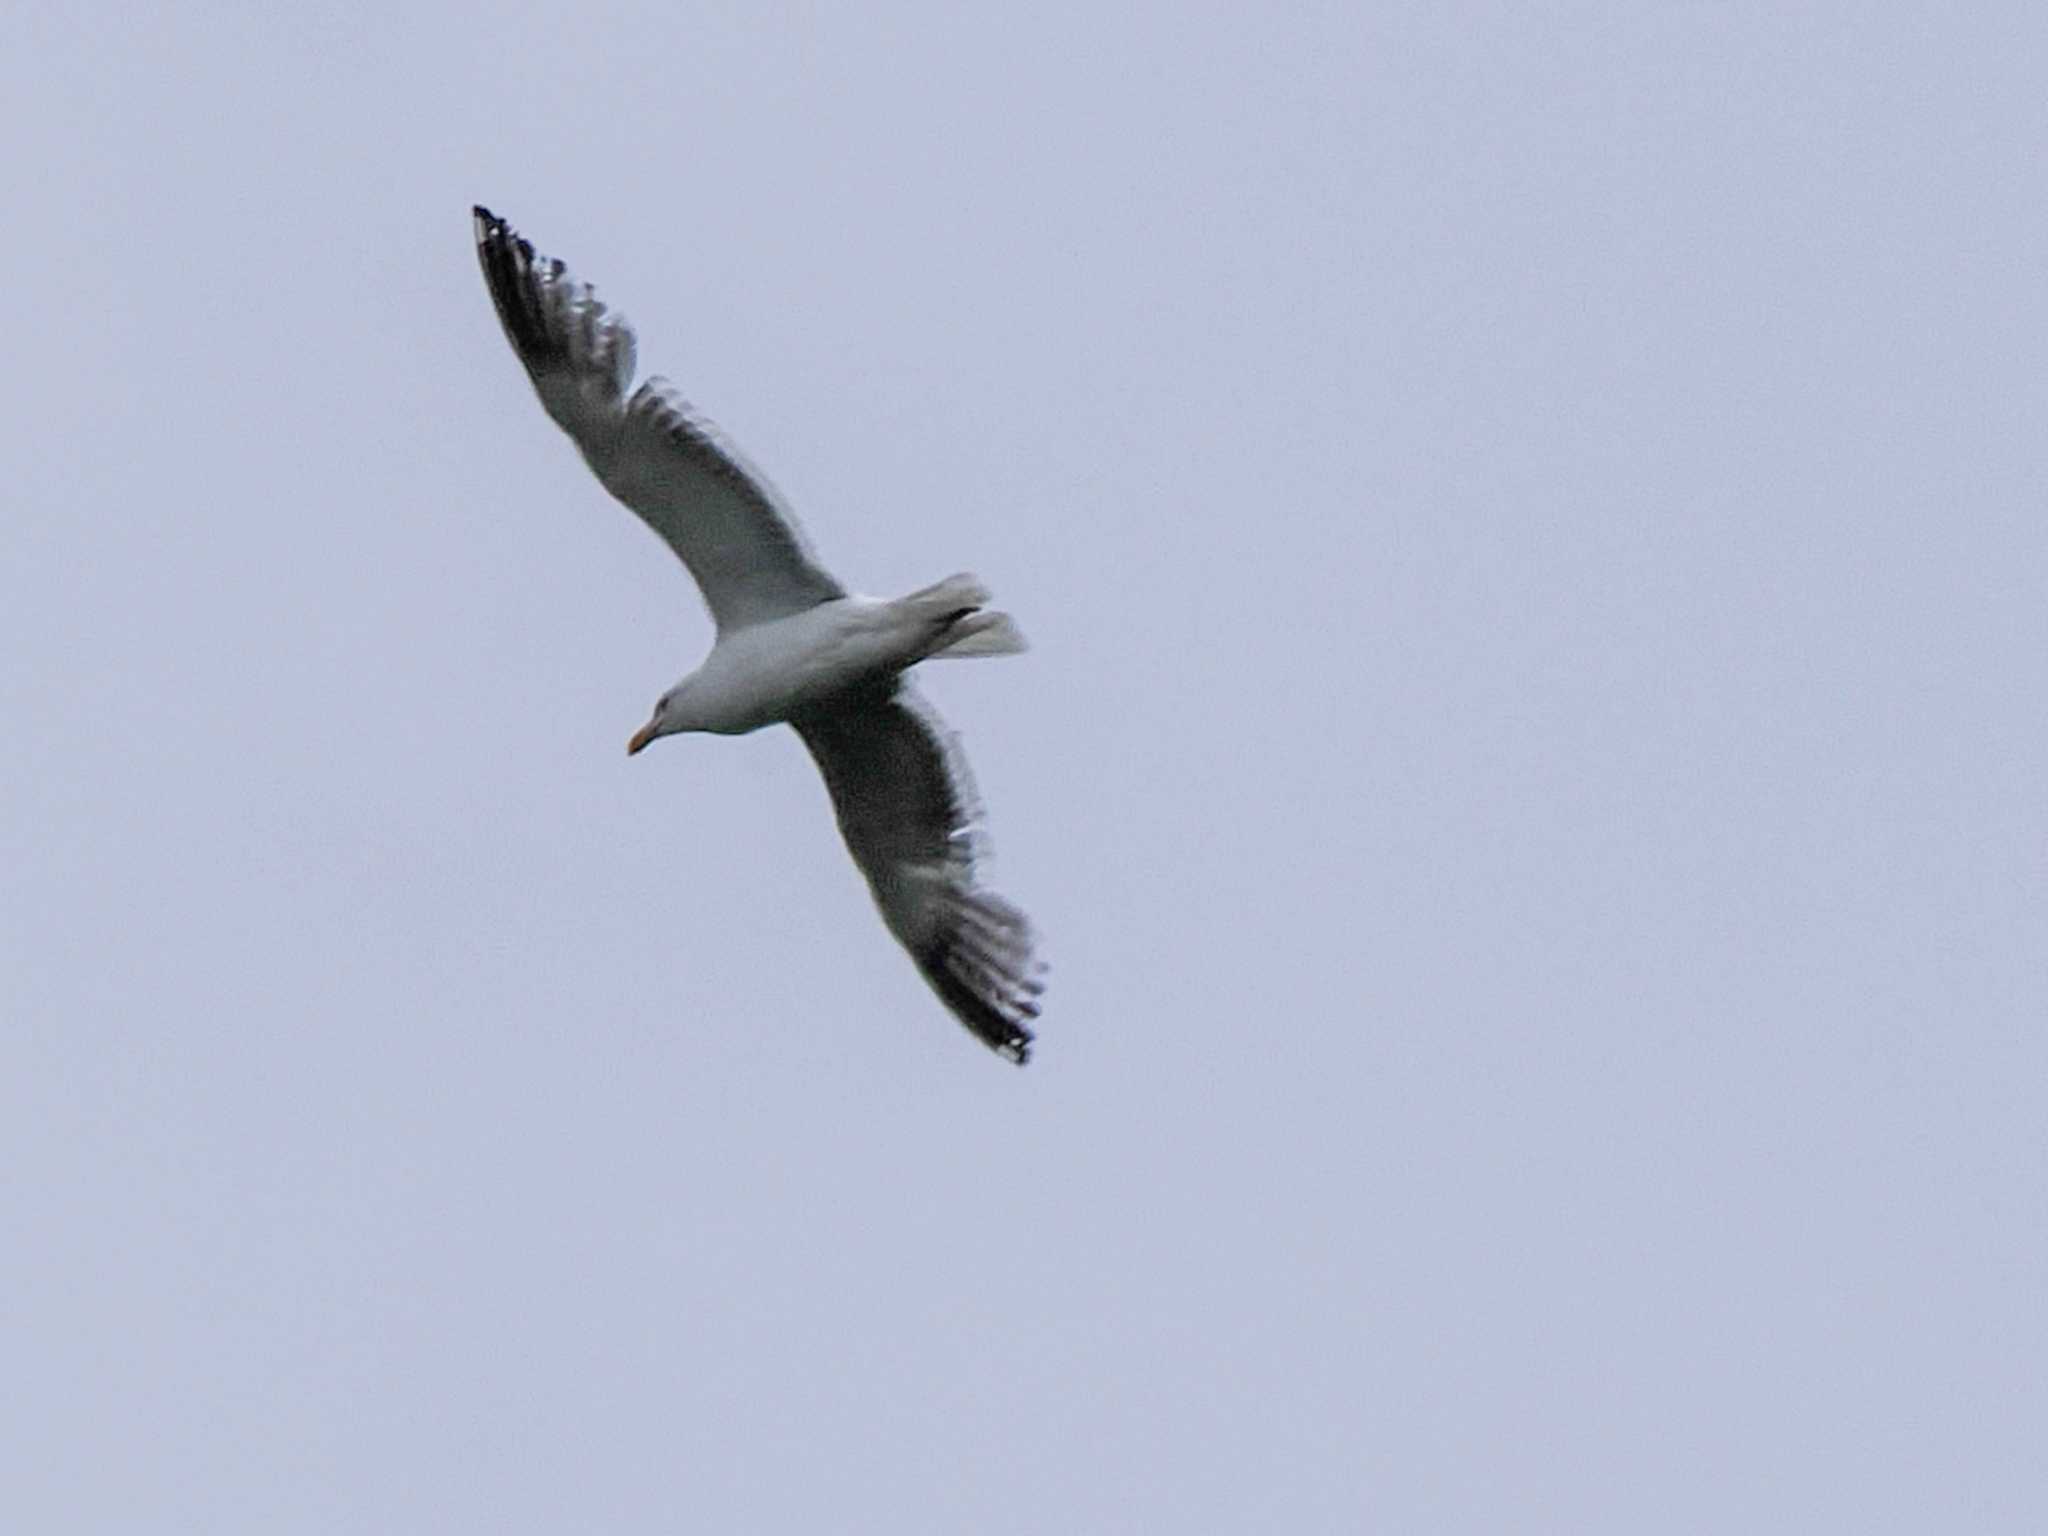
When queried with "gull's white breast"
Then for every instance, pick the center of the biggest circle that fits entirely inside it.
(763, 673)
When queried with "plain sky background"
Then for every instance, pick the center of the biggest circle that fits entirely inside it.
(1530, 776)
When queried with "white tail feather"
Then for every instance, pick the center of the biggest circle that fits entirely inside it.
(970, 630)
(944, 597)
(988, 633)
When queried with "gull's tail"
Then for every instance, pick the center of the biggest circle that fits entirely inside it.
(964, 627)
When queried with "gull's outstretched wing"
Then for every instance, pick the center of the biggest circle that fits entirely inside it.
(908, 813)
(743, 547)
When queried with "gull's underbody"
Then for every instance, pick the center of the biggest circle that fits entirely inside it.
(793, 645)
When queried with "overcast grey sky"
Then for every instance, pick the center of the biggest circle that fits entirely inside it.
(1530, 775)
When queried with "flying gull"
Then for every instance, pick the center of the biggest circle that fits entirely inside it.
(793, 645)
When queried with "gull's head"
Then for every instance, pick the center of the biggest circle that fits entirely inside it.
(666, 720)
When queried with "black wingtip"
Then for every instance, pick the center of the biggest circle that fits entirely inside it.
(997, 1021)
(508, 262)
(494, 233)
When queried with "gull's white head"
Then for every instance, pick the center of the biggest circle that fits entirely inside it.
(671, 714)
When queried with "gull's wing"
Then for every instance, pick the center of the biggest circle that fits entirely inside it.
(908, 813)
(749, 559)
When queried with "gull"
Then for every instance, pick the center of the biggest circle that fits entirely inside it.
(793, 646)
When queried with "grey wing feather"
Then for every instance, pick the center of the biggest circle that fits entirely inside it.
(740, 543)
(907, 811)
